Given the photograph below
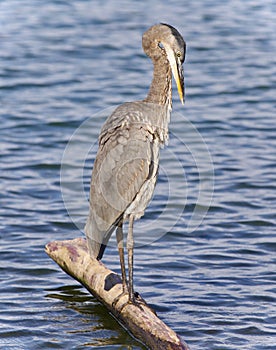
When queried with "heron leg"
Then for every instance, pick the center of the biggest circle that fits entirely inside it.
(120, 242)
(133, 298)
(130, 245)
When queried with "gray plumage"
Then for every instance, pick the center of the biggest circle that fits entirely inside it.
(126, 166)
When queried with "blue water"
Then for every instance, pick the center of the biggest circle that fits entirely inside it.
(211, 277)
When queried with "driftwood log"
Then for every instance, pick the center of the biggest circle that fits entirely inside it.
(73, 257)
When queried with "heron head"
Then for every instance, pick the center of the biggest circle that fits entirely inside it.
(163, 39)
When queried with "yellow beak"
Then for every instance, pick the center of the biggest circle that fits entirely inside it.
(177, 71)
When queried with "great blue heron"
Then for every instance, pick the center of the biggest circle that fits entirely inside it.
(126, 166)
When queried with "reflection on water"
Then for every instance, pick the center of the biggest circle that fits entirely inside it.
(63, 62)
(105, 329)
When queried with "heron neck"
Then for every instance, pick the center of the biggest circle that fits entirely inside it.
(160, 91)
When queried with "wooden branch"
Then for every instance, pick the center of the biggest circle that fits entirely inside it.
(73, 257)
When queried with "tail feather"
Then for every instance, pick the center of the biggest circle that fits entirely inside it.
(97, 240)
(101, 251)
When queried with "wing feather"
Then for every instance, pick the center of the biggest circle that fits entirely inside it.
(120, 169)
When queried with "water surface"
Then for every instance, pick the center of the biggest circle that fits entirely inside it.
(62, 63)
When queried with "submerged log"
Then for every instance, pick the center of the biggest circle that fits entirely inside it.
(73, 257)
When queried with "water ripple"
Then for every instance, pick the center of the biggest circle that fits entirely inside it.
(62, 62)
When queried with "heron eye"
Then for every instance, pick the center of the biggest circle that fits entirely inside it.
(161, 46)
(178, 54)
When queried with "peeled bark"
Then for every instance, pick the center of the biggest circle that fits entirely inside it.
(73, 257)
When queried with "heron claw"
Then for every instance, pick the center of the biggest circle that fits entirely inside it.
(115, 301)
(136, 300)
(139, 302)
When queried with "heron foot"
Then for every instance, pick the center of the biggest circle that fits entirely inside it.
(140, 301)
(137, 300)
(115, 301)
